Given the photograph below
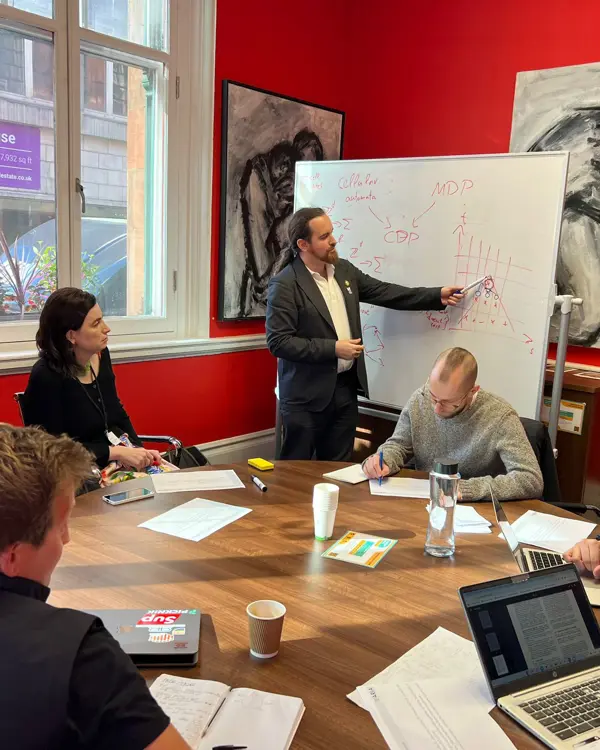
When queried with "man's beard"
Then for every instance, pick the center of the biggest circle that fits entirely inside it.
(332, 256)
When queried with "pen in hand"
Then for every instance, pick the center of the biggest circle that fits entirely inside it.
(380, 466)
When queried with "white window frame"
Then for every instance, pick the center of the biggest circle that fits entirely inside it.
(185, 331)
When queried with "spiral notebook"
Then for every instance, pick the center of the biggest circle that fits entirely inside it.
(208, 713)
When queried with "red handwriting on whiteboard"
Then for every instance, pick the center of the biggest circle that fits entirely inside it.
(452, 188)
(354, 251)
(358, 197)
(420, 216)
(357, 181)
(400, 236)
(378, 259)
(388, 223)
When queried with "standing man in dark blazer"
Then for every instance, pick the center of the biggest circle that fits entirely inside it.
(313, 327)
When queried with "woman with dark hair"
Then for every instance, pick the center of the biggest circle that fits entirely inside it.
(72, 389)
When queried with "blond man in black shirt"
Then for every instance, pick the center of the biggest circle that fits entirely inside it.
(67, 684)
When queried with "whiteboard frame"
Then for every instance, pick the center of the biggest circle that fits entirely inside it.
(559, 208)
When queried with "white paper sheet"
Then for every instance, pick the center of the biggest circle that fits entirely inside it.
(551, 532)
(442, 654)
(400, 487)
(196, 519)
(350, 474)
(468, 521)
(432, 715)
(192, 481)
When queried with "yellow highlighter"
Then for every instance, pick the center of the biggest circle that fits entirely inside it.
(261, 464)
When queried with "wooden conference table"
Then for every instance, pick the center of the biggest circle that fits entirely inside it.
(344, 623)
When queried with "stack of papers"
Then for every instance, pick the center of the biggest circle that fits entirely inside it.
(350, 474)
(550, 532)
(196, 481)
(400, 487)
(442, 655)
(432, 715)
(195, 520)
(433, 697)
(468, 521)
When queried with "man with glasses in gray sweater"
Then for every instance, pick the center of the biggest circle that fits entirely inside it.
(452, 417)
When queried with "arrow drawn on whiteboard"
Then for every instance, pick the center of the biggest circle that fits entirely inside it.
(528, 339)
(373, 343)
(414, 221)
(389, 223)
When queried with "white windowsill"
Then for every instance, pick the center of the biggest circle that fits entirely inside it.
(140, 351)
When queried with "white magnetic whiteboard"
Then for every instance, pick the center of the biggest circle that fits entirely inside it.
(442, 221)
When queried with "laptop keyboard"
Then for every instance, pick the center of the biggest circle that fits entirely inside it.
(568, 712)
(543, 560)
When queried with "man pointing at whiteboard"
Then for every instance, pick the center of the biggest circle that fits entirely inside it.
(314, 329)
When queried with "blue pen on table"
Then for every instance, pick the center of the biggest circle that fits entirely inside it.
(380, 465)
(262, 487)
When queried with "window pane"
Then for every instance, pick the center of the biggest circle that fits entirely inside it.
(41, 7)
(137, 21)
(94, 83)
(43, 69)
(122, 161)
(27, 185)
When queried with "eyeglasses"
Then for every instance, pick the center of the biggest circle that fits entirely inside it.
(446, 404)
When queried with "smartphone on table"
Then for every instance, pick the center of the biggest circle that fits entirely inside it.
(120, 497)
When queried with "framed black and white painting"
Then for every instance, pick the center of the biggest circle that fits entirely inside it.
(558, 109)
(263, 136)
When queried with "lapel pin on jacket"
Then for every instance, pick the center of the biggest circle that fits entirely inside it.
(348, 289)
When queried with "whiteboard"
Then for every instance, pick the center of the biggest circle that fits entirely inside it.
(443, 221)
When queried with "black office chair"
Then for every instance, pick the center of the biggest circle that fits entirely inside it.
(175, 444)
(539, 438)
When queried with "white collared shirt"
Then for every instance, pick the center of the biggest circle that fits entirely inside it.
(334, 299)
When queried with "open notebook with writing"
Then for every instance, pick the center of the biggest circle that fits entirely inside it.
(209, 713)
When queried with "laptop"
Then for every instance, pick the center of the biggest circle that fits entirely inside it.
(155, 637)
(529, 558)
(539, 645)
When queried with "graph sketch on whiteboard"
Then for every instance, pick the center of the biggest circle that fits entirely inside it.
(484, 309)
(373, 344)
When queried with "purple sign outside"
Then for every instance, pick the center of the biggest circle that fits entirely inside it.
(19, 156)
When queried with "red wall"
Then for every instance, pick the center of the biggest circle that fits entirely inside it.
(282, 47)
(200, 399)
(438, 78)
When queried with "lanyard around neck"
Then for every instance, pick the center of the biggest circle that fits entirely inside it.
(102, 408)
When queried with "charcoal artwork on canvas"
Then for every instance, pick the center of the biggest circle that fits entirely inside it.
(559, 110)
(263, 137)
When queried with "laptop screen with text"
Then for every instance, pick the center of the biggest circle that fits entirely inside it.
(532, 624)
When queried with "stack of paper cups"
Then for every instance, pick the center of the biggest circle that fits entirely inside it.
(325, 503)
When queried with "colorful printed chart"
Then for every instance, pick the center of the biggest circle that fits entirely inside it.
(360, 549)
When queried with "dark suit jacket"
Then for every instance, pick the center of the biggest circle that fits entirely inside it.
(300, 331)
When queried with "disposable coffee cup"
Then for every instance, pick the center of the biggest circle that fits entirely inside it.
(325, 503)
(324, 523)
(265, 622)
(325, 496)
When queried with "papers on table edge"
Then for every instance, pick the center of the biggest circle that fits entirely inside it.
(400, 487)
(196, 481)
(196, 519)
(350, 474)
(429, 714)
(443, 654)
(468, 521)
(550, 532)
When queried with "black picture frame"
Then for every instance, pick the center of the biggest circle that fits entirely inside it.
(263, 134)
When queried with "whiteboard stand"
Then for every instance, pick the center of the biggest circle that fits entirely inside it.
(566, 302)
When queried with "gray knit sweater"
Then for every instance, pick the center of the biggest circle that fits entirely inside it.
(487, 440)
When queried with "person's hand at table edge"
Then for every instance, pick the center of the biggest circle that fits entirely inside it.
(586, 556)
(372, 469)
